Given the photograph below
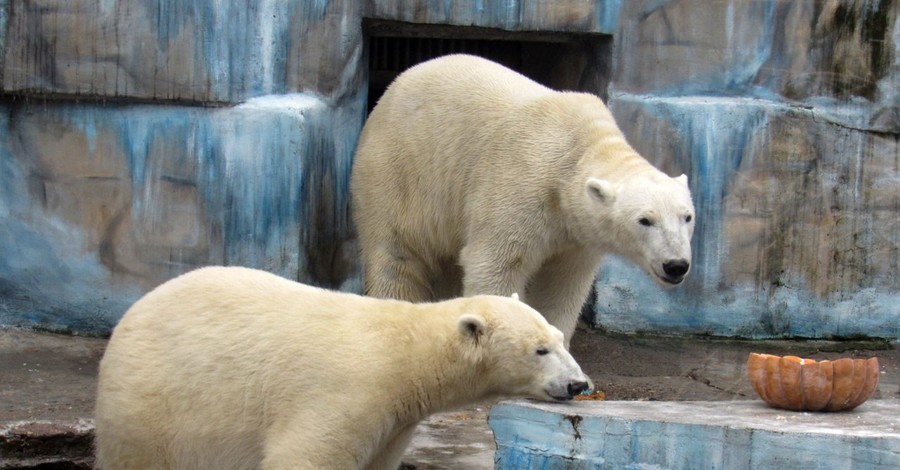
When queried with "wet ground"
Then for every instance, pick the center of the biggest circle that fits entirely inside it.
(51, 379)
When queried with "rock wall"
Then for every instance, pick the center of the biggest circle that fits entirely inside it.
(206, 51)
(594, 16)
(141, 139)
(786, 117)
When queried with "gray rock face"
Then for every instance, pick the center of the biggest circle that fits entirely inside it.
(203, 51)
(100, 204)
(796, 222)
(816, 52)
(785, 115)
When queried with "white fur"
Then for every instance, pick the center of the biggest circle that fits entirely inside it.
(233, 368)
(472, 178)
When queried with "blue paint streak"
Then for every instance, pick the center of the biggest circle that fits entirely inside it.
(751, 39)
(608, 13)
(42, 279)
(271, 178)
(712, 138)
(239, 49)
(4, 9)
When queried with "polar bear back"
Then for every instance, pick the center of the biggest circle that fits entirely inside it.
(488, 130)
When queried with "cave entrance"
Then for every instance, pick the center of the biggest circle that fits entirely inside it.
(562, 61)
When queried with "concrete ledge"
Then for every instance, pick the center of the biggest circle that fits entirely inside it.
(693, 435)
(47, 444)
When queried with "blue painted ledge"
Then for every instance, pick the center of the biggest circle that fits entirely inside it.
(734, 435)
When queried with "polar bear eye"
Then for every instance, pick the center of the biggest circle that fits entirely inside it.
(688, 218)
(645, 222)
(542, 351)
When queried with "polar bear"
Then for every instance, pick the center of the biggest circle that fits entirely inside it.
(235, 368)
(470, 177)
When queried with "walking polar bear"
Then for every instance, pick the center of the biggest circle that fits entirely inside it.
(466, 164)
(233, 368)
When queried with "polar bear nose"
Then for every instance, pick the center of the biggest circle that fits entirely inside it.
(576, 388)
(676, 268)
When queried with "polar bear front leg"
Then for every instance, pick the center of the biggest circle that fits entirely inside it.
(392, 272)
(390, 456)
(561, 285)
(497, 270)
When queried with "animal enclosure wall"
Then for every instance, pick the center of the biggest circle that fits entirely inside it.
(139, 140)
(786, 117)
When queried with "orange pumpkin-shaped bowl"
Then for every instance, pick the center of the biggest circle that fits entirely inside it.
(792, 383)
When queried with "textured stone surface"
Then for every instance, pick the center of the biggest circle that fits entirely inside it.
(691, 435)
(100, 203)
(599, 16)
(843, 51)
(797, 230)
(193, 50)
(47, 444)
(786, 115)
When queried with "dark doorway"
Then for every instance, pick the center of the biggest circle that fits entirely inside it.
(562, 61)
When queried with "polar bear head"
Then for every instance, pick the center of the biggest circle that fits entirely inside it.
(518, 353)
(648, 219)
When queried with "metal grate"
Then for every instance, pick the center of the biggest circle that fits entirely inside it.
(396, 54)
(562, 61)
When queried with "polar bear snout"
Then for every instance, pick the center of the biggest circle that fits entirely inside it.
(575, 388)
(570, 380)
(675, 270)
(568, 391)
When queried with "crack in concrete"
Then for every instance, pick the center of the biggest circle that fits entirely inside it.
(575, 420)
(697, 378)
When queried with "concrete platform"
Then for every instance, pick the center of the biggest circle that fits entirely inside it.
(731, 435)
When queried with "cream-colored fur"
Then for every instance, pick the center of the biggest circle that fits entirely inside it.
(466, 164)
(233, 368)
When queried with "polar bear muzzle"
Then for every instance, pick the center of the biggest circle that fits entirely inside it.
(675, 270)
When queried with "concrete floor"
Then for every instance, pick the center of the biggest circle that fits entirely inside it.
(51, 379)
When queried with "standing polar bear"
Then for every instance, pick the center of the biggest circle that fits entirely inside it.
(234, 368)
(466, 164)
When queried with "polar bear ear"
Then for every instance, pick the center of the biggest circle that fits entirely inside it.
(471, 326)
(601, 190)
(515, 296)
(682, 179)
